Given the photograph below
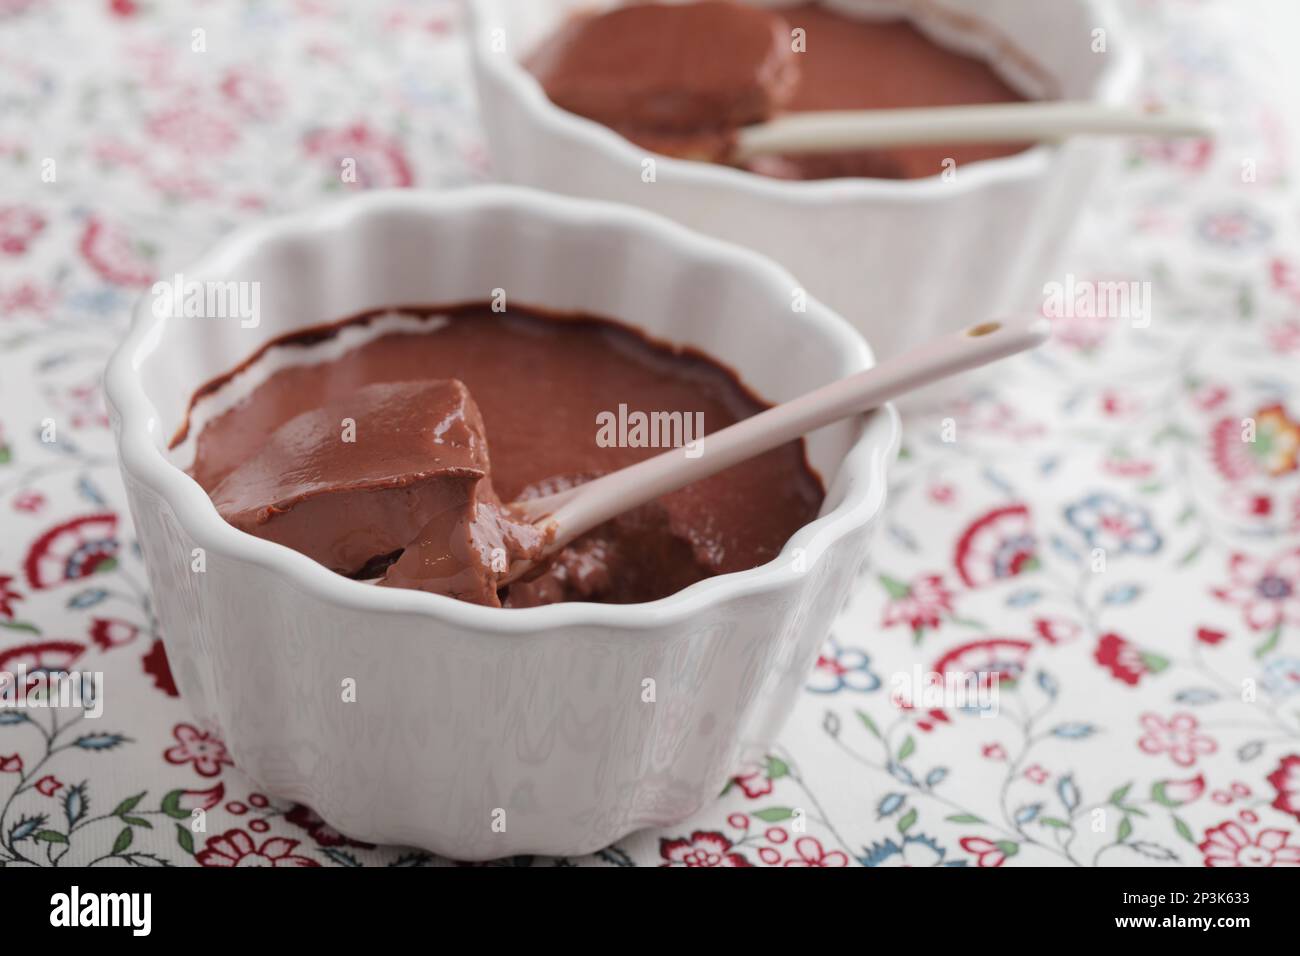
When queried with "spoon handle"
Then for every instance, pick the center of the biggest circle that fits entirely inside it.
(836, 130)
(597, 501)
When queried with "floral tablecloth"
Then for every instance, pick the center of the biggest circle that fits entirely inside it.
(1149, 703)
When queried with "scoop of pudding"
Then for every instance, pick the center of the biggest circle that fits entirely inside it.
(670, 70)
(391, 467)
(466, 549)
(650, 551)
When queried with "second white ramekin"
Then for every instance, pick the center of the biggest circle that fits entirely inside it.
(904, 261)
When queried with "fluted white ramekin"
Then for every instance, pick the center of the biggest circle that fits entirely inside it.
(480, 732)
(904, 261)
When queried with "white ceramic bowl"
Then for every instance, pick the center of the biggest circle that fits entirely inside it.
(464, 712)
(904, 261)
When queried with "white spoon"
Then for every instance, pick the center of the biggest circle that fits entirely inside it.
(576, 511)
(837, 130)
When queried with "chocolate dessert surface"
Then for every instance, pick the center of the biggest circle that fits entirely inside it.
(399, 458)
(680, 79)
(626, 67)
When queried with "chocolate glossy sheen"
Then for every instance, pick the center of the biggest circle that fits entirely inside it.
(626, 67)
(724, 72)
(478, 409)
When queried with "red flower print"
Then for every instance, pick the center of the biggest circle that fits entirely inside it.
(8, 596)
(114, 152)
(379, 160)
(236, 848)
(987, 853)
(205, 751)
(1248, 504)
(123, 8)
(1208, 636)
(1179, 792)
(73, 550)
(1275, 450)
(1001, 656)
(811, 854)
(998, 545)
(83, 405)
(1229, 844)
(1231, 456)
(985, 414)
(183, 184)
(1284, 336)
(703, 848)
(1177, 737)
(921, 604)
(1116, 403)
(994, 752)
(1285, 277)
(1183, 153)
(1121, 658)
(19, 225)
(1126, 662)
(924, 720)
(44, 656)
(755, 785)
(25, 297)
(942, 493)
(325, 835)
(1083, 333)
(155, 665)
(192, 131)
(28, 501)
(1268, 592)
(1210, 396)
(11, 764)
(202, 799)
(115, 257)
(108, 632)
(1057, 630)
(48, 786)
(1124, 467)
(1286, 781)
(252, 93)
(1036, 774)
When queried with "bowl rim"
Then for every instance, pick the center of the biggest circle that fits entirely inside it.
(139, 439)
(1113, 86)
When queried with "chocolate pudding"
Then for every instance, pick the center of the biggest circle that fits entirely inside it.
(680, 79)
(397, 459)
